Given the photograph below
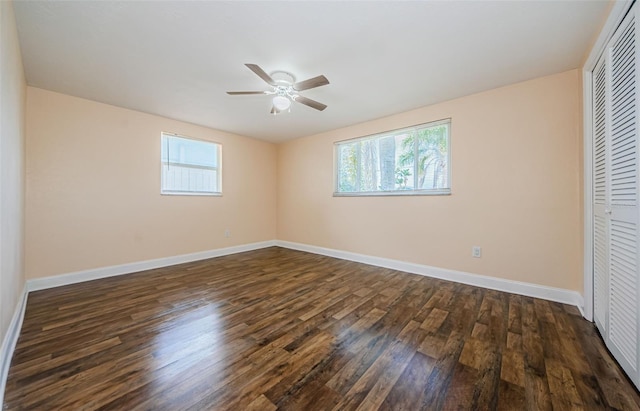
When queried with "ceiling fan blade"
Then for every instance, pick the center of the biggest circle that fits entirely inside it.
(310, 103)
(311, 83)
(237, 93)
(262, 74)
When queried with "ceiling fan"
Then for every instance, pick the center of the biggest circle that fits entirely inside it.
(285, 89)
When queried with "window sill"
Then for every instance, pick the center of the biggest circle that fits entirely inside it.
(184, 193)
(443, 192)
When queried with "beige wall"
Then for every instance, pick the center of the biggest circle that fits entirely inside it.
(12, 112)
(93, 189)
(516, 189)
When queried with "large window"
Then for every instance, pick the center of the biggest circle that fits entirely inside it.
(412, 160)
(190, 167)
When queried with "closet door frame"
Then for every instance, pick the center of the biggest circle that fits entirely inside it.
(617, 14)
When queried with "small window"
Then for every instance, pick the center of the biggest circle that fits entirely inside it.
(409, 161)
(190, 167)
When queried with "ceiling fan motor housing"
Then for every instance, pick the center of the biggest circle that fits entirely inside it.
(285, 82)
(283, 77)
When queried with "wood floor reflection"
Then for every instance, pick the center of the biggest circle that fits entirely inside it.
(281, 329)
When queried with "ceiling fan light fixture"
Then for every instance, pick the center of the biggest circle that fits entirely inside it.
(284, 89)
(281, 103)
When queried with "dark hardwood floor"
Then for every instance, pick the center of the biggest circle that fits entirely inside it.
(281, 329)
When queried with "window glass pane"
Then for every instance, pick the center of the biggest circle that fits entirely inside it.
(348, 174)
(432, 157)
(405, 156)
(387, 160)
(186, 179)
(369, 165)
(186, 151)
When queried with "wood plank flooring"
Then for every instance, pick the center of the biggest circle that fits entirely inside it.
(281, 329)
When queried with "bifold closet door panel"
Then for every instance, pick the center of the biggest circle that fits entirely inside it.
(600, 197)
(616, 218)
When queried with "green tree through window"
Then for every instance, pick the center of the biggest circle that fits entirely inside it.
(432, 153)
(408, 161)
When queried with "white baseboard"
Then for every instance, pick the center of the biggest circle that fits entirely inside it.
(516, 287)
(581, 307)
(10, 340)
(114, 270)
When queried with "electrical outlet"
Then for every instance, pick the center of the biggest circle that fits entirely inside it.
(476, 251)
(227, 233)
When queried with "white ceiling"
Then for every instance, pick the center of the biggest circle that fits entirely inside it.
(178, 58)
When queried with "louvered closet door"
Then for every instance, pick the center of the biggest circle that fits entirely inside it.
(600, 198)
(615, 192)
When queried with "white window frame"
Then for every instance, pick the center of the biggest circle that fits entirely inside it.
(412, 192)
(218, 169)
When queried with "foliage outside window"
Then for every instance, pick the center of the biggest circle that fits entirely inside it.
(190, 167)
(413, 160)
